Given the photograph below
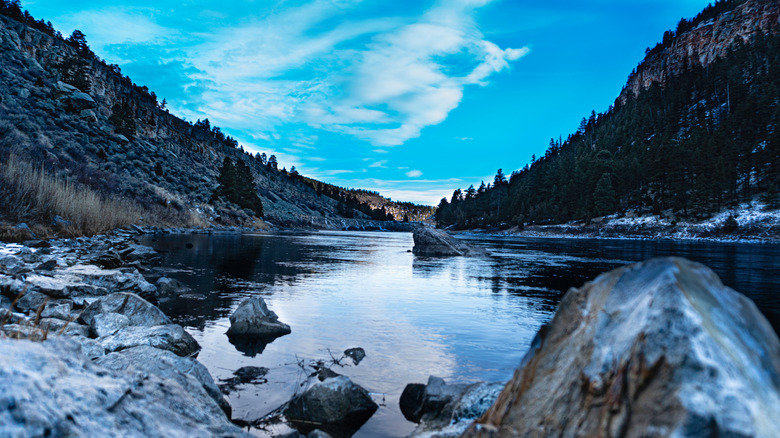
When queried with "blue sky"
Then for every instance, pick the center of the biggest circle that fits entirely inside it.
(410, 98)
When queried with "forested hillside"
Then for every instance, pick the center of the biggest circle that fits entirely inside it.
(106, 152)
(699, 141)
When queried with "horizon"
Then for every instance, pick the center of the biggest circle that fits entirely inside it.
(410, 102)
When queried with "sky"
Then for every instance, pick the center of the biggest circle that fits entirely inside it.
(409, 98)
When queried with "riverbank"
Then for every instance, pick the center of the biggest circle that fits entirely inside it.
(85, 350)
(747, 223)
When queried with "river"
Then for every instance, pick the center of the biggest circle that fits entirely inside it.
(457, 318)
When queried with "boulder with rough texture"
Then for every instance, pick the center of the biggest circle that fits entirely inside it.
(136, 309)
(335, 405)
(51, 389)
(253, 318)
(431, 242)
(659, 348)
(446, 410)
(170, 287)
(188, 372)
(171, 337)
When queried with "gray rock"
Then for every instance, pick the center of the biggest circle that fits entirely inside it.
(89, 115)
(62, 87)
(336, 405)
(56, 391)
(356, 354)
(253, 318)
(78, 101)
(189, 373)
(139, 311)
(55, 326)
(58, 310)
(10, 264)
(108, 259)
(660, 348)
(140, 253)
(60, 224)
(23, 93)
(171, 287)
(171, 337)
(446, 410)
(431, 242)
(106, 324)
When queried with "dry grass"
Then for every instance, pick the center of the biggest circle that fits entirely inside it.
(30, 193)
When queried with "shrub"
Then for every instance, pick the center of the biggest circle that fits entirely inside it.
(30, 193)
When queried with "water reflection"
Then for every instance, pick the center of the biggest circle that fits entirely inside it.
(461, 319)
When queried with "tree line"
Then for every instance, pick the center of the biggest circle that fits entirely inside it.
(706, 140)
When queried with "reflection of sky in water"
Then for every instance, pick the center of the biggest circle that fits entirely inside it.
(461, 319)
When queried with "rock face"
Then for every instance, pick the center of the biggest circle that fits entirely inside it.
(335, 405)
(446, 410)
(659, 348)
(253, 318)
(431, 242)
(50, 389)
(704, 43)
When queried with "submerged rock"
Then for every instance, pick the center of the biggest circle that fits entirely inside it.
(51, 389)
(429, 241)
(253, 318)
(659, 348)
(336, 405)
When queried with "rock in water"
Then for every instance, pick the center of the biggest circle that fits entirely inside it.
(335, 405)
(253, 318)
(660, 348)
(429, 241)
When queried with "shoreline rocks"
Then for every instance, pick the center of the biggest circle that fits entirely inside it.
(80, 360)
(659, 348)
(431, 242)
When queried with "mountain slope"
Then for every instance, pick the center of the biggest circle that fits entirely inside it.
(699, 137)
(89, 128)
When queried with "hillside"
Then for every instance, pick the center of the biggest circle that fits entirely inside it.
(89, 132)
(697, 137)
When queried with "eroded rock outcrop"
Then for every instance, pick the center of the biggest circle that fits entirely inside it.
(431, 242)
(660, 348)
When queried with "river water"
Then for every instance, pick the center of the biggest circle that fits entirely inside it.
(457, 318)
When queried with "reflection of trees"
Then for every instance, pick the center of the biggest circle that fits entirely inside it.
(221, 268)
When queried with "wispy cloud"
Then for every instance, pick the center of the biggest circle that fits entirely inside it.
(378, 79)
(380, 164)
(413, 173)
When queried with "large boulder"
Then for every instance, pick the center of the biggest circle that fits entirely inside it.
(51, 389)
(336, 405)
(137, 310)
(446, 410)
(188, 372)
(659, 348)
(429, 241)
(171, 337)
(253, 318)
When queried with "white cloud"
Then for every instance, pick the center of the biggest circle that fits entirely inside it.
(413, 173)
(380, 164)
(382, 80)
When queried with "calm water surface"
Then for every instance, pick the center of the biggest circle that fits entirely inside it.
(460, 319)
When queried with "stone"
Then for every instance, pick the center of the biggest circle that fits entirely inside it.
(78, 101)
(59, 223)
(337, 406)
(326, 373)
(170, 287)
(37, 243)
(356, 354)
(47, 265)
(114, 280)
(171, 337)
(138, 311)
(23, 93)
(659, 348)
(446, 410)
(106, 324)
(58, 310)
(140, 253)
(51, 389)
(253, 318)
(108, 259)
(244, 375)
(431, 242)
(89, 115)
(188, 372)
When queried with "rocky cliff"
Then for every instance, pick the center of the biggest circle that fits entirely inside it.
(706, 41)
